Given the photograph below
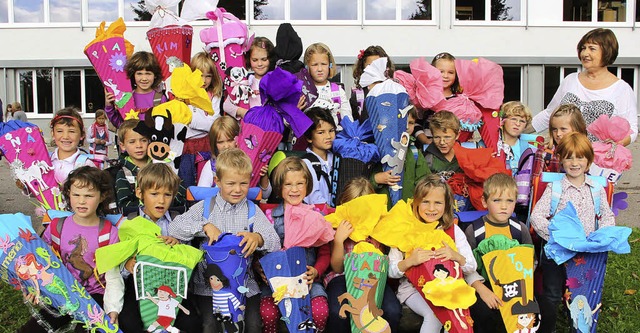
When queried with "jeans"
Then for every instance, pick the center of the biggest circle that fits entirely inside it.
(553, 280)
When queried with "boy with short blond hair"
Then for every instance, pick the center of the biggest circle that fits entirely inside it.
(515, 117)
(499, 198)
(229, 211)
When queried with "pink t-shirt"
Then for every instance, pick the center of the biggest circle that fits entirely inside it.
(78, 246)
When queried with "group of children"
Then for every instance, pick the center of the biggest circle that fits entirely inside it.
(154, 191)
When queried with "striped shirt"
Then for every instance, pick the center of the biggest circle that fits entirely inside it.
(220, 302)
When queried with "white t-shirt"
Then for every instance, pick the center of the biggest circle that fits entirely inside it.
(326, 100)
(615, 100)
(167, 308)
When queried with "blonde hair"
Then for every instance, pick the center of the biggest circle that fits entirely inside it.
(16, 106)
(575, 143)
(515, 109)
(157, 176)
(291, 163)
(423, 187)
(444, 120)
(127, 125)
(321, 48)
(233, 160)
(499, 183)
(224, 125)
(355, 188)
(576, 120)
(205, 64)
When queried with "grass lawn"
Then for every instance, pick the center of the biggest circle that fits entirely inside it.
(620, 303)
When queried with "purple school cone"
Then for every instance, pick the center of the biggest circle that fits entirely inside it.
(285, 271)
(388, 104)
(27, 260)
(226, 263)
(259, 146)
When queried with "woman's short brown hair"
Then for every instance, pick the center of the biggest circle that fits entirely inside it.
(291, 163)
(607, 41)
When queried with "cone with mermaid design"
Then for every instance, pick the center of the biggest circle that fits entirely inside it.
(30, 265)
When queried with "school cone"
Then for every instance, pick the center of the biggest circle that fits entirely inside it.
(108, 53)
(171, 43)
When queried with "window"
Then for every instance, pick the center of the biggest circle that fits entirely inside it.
(606, 10)
(305, 9)
(637, 10)
(28, 11)
(4, 11)
(398, 10)
(342, 9)
(512, 83)
(494, 10)
(102, 10)
(235, 7)
(268, 9)
(627, 74)
(552, 77)
(36, 90)
(134, 10)
(64, 11)
(416, 10)
(82, 88)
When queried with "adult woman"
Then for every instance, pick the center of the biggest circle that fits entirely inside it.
(595, 90)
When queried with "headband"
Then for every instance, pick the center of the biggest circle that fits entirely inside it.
(58, 117)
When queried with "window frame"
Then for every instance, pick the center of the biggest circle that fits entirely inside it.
(34, 90)
(487, 16)
(629, 18)
(522, 79)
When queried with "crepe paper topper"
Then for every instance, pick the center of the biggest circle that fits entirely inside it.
(115, 29)
(163, 13)
(305, 227)
(186, 86)
(351, 142)
(423, 84)
(363, 212)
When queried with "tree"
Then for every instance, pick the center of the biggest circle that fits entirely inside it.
(423, 11)
(500, 11)
(141, 11)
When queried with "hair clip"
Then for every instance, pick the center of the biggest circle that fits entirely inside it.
(263, 45)
(360, 54)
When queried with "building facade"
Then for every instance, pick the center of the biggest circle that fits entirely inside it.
(43, 65)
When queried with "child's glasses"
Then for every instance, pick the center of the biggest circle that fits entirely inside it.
(446, 138)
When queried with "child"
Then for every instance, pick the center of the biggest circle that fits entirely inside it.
(432, 203)
(415, 167)
(134, 156)
(157, 185)
(319, 158)
(319, 61)
(576, 155)
(222, 136)
(515, 118)
(499, 198)
(197, 140)
(260, 60)
(366, 57)
(565, 119)
(229, 212)
(292, 180)
(166, 309)
(440, 156)
(335, 280)
(212, 82)
(99, 138)
(145, 74)
(77, 237)
(67, 130)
